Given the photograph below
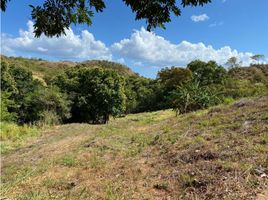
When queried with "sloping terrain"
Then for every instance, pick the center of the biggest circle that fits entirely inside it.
(220, 153)
(42, 68)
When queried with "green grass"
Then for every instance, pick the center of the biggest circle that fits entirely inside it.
(145, 156)
(14, 136)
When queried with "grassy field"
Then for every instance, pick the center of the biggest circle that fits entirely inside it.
(219, 153)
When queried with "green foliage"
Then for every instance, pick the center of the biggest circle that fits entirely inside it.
(8, 83)
(95, 93)
(94, 90)
(174, 77)
(54, 17)
(143, 95)
(233, 63)
(12, 135)
(27, 99)
(207, 73)
(11, 131)
(46, 105)
(6, 104)
(236, 88)
(191, 97)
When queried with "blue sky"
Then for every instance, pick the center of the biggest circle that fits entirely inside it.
(216, 31)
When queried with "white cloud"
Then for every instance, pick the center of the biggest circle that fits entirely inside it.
(69, 46)
(215, 24)
(199, 18)
(143, 48)
(150, 49)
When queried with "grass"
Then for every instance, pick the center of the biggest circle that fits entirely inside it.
(209, 154)
(13, 136)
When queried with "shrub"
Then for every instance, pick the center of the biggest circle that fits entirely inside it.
(191, 97)
(46, 105)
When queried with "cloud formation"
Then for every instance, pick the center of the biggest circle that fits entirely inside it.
(215, 24)
(199, 18)
(151, 49)
(141, 49)
(69, 46)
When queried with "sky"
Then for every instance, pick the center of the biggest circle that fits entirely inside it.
(217, 31)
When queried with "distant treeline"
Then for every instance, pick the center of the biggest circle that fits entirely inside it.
(79, 93)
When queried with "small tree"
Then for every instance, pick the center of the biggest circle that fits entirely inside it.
(257, 58)
(233, 63)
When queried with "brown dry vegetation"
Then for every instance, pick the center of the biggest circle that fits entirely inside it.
(43, 69)
(220, 153)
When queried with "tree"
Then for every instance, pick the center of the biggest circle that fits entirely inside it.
(26, 100)
(5, 105)
(233, 62)
(207, 73)
(8, 83)
(95, 94)
(54, 16)
(257, 57)
(173, 77)
(143, 95)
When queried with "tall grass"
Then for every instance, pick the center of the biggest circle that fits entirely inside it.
(13, 135)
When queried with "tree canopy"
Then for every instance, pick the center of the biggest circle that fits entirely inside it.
(207, 73)
(53, 17)
(95, 94)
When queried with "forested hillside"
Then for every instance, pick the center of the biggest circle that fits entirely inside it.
(41, 92)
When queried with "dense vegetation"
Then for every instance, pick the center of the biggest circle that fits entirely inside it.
(216, 153)
(35, 92)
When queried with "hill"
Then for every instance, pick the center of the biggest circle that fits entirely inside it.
(219, 153)
(42, 68)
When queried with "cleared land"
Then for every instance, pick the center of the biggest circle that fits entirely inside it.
(220, 153)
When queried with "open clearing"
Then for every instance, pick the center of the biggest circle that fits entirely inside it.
(219, 153)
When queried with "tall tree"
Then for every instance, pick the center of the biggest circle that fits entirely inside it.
(54, 16)
(233, 62)
(96, 93)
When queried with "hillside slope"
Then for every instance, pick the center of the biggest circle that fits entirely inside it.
(42, 68)
(220, 153)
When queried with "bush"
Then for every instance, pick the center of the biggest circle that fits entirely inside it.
(191, 97)
(46, 106)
